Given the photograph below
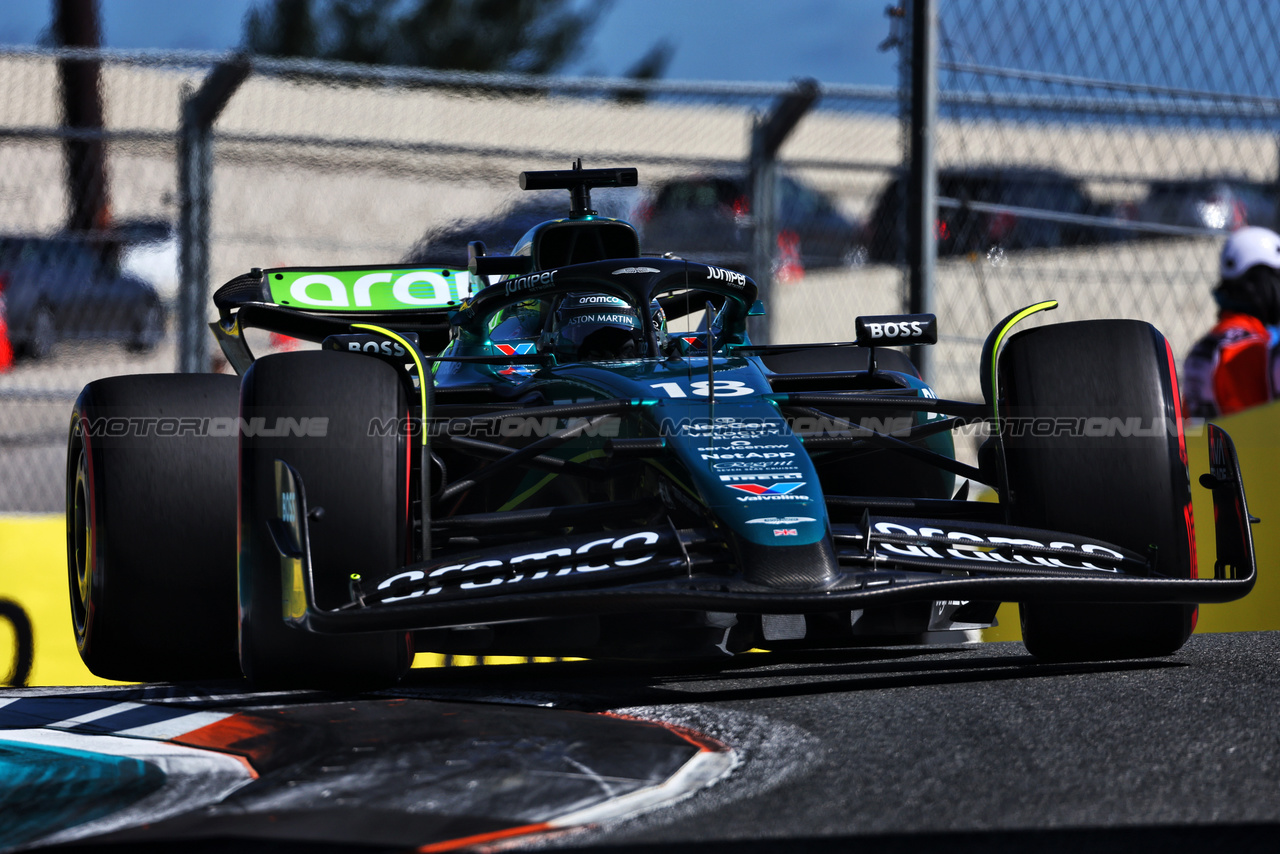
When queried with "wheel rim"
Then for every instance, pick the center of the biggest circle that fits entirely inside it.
(81, 565)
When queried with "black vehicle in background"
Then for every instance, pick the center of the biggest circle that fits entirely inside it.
(1029, 209)
(711, 216)
(58, 288)
(1220, 204)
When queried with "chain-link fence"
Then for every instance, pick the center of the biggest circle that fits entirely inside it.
(80, 304)
(1087, 152)
(1095, 153)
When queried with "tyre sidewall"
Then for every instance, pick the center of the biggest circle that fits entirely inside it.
(354, 478)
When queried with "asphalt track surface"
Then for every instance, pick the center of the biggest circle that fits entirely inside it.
(975, 748)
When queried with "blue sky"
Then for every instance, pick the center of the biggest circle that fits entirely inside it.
(767, 40)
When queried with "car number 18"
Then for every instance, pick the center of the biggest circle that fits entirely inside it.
(700, 388)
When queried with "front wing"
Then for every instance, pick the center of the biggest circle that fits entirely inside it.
(882, 561)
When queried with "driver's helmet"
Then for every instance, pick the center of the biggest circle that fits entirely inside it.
(599, 327)
(521, 320)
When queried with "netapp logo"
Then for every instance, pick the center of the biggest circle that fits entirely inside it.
(768, 455)
(597, 548)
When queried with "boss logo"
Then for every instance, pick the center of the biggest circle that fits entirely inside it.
(386, 348)
(373, 345)
(897, 329)
(893, 330)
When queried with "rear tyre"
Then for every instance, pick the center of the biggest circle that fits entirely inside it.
(360, 482)
(151, 496)
(1130, 490)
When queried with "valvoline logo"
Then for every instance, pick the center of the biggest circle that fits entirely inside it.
(771, 489)
(514, 349)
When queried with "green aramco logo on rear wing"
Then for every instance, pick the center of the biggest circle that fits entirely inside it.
(370, 288)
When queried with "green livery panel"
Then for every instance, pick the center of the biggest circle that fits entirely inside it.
(371, 289)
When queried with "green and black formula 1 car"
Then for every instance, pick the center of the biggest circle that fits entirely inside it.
(521, 458)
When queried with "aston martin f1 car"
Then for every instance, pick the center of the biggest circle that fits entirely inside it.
(522, 458)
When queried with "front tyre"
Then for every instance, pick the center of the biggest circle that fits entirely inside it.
(151, 492)
(1111, 468)
(314, 410)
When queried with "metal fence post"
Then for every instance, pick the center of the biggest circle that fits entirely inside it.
(762, 174)
(195, 183)
(922, 179)
(193, 241)
(767, 135)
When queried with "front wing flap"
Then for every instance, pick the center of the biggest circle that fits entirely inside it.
(883, 561)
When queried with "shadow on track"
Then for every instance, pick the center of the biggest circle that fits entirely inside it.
(601, 685)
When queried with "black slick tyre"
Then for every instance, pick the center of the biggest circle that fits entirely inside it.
(1120, 474)
(151, 497)
(322, 402)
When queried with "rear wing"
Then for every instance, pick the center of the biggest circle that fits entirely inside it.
(313, 303)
